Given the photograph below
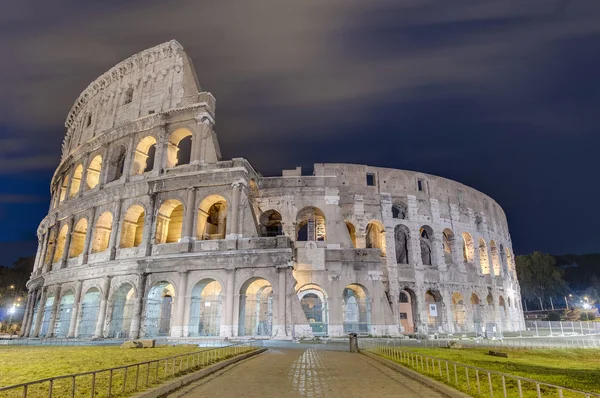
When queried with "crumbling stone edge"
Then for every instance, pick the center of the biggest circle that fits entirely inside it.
(168, 387)
(434, 384)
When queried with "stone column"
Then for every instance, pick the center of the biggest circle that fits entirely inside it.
(128, 159)
(52, 322)
(52, 251)
(282, 271)
(67, 247)
(227, 326)
(203, 126)
(87, 245)
(83, 184)
(161, 152)
(102, 311)
(235, 209)
(26, 314)
(138, 304)
(75, 310)
(40, 315)
(30, 325)
(188, 222)
(38, 254)
(177, 329)
(114, 233)
(149, 228)
(41, 260)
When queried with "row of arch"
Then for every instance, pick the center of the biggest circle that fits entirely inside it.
(143, 160)
(204, 311)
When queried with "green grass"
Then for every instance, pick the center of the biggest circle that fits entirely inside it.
(25, 364)
(572, 368)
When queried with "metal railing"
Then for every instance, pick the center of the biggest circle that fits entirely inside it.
(525, 343)
(474, 381)
(125, 379)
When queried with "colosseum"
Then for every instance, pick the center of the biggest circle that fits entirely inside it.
(150, 233)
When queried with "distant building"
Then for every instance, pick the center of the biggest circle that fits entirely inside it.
(151, 233)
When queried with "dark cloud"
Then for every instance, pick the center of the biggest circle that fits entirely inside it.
(500, 95)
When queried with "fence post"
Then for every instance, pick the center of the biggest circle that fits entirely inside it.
(490, 383)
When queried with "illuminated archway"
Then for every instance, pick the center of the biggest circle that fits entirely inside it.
(313, 300)
(310, 225)
(169, 222)
(121, 312)
(159, 309)
(212, 218)
(132, 227)
(102, 232)
(90, 306)
(205, 309)
(375, 237)
(78, 238)
(180, 148)
(63, 318)
(256, 308)
(93, 172)
(143, 158)
(356, 308)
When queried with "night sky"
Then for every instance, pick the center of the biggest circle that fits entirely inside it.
(500, 95)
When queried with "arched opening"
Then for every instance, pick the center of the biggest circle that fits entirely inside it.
(476, 306)
(180, 148)
(121, 312)
(356, 309)
(426, 240)
(314, 304)
(458, 312)
(159, 307)
(116, 164)
(63, 318)
(256, 308)
(351, 232)
(76, 182)
(205, 309)
(143, 158)
(310, 225)
(132, 227)
(169, 222)
(407, 305)
(468, 248)
(375, 237)
(90, 306)
(60, 243)
(399, 211)
(401, 235)
(93, 172)
(102, 232)
(63, 188)
(448, 237)
(51, 243)
(502, 307)
(270, 223)
(212, 218)
(433, 301)
(78, 238)
(495, 258)
(483, 258)
(46, 315)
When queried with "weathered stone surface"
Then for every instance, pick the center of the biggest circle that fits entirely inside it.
(152, 233)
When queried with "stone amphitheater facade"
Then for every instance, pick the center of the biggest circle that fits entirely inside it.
(151, 233)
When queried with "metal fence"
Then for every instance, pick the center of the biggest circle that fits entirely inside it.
(524, 343)
(474, 381)
(126, 379)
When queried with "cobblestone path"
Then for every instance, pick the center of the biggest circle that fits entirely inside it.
(307, 373)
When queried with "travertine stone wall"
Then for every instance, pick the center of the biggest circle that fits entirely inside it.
(146, 218)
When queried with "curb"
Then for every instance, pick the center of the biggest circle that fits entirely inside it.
(434, 384)
(181, 381)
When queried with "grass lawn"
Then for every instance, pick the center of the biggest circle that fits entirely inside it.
(25, 364)
(573, 368)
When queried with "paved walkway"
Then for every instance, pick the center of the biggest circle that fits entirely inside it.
(307, 373)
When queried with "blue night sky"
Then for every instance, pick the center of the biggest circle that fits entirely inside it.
(500, 95)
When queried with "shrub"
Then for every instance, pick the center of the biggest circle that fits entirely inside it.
(554, 317)
(587, 316)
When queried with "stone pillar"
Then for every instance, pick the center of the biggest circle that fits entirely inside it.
(52, 251)
(38, 254)
(114, 233)
(177, 329)
(26, 314)
(188, 221)
(235, 209)
(138, 306)
(281, 302)
(40, 315)
(199, 141)
(52, 322)
(87, 245)
(30, 325)
(67, 247)
(149, 229)
(41, 260)
(161, 153)
(129, 159)
(102, 311)
(227, 326)
(75, 310)
(83, 184)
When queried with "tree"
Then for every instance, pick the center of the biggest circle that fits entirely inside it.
(539, 277)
